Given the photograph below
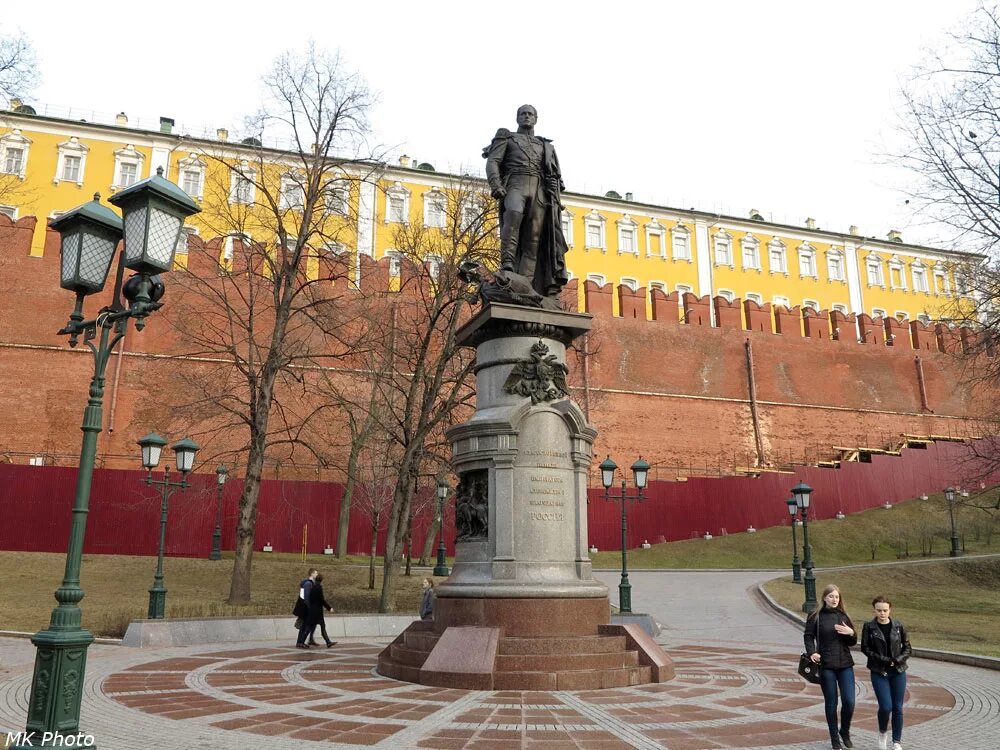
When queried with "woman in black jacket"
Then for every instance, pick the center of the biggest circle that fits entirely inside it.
(317, 603)
(829, 635)
(885, 642)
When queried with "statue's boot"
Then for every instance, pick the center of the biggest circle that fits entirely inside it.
(509, 235)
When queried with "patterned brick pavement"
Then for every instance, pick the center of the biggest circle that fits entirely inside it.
(727, 694)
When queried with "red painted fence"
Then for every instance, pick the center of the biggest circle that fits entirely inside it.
(36, 502)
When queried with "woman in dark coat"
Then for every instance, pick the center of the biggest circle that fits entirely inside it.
(885, 642)
(829, 636)
(317, 603)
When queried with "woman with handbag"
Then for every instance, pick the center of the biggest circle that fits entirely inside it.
(318, 603)
(885, 642)
(829, 635)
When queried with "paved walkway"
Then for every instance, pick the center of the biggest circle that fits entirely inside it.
(735, 687)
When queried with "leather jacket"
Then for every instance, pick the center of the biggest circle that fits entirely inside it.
(834, 649)
(883, 656)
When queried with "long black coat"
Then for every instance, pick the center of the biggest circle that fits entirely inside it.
(833, 648)
(317, 603)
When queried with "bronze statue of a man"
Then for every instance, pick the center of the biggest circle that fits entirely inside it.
(524, 177)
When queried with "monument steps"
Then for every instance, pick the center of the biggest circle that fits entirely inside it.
(403, 654)
(566, 661)
(578, 679)
(420, 641)
(581, 644)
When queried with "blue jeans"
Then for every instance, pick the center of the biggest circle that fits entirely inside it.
(890, 691)
(830, 680)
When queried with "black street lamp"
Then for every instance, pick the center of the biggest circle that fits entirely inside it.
(793, 508)
(220, 482)
(949, 495)
(90, 235)
(640, 473)
(442, 492)
(184, 450)
(801, 493)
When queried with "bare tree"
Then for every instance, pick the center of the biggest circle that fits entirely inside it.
(951, 124)
(431, 385)
(280, 314)
(374, 493)
(19, 73)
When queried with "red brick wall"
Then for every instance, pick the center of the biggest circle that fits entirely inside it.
(675, 393)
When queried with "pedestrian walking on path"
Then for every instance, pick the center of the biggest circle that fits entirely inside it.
(829, 635)
(886, 644)
(427, 603)
(301, 610)
(317, 604)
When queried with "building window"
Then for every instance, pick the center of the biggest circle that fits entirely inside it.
(727, 294)
(751, 252)
(754, 297)
(780, 300)
(680, 237)
(182, 240)
(901, 315)
(776, 256)
(811, 304)
(395, 263)
(292, 195)
(839, 307)
(228, 246)
(9, 211)
(594, 224)
(397, 200)
(920, 277)
(723, 248)
(128, 166)
(434, 266)
(471, 215)
(874, 266)
(941, 283)
(567, 227)
(597, 278)
(835, 265)
(629, 282)
(924, 318)
(878, 313)
(335, 196)
(191, 171)
(897, 277)
(807, 260)
(434, 203)
(627, 240)
(72, 162)
(14, 153)
(662, 286)
(655, 235)
(242, 189)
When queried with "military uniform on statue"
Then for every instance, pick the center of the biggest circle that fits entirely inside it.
(521, 609)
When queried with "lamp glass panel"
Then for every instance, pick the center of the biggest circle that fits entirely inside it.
(185, 459)
(95, 259)
(793, 506)
(607, 477)
(640, 477)
(151, 455)
(135, 235)
(70, 249)
(164, 229)
(220, 477)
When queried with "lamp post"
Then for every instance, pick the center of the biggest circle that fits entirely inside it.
(154, 212)
(184, 450)
(801, 493)
(793, 508)
(949, 495)
(220, 482)
(442, 492)
(640, 472)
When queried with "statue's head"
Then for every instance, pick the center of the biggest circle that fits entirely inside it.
(527, 116)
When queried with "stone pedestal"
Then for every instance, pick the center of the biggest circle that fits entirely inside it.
(521, 609)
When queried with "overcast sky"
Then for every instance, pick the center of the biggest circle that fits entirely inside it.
(721, 106)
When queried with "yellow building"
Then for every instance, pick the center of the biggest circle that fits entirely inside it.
(49, 165)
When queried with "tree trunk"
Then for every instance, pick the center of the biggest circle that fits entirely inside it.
(394, 537)
(246, 528)
(428, 551)
(371, 556)
(344, 520)
(409, 546)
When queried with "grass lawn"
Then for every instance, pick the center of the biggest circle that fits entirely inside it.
(116, 588)
(948, 605)
(834, 542)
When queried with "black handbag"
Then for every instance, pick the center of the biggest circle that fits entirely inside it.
(808, 670)
(301, 609)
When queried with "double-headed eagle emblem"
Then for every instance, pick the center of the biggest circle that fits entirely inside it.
(540, 377)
